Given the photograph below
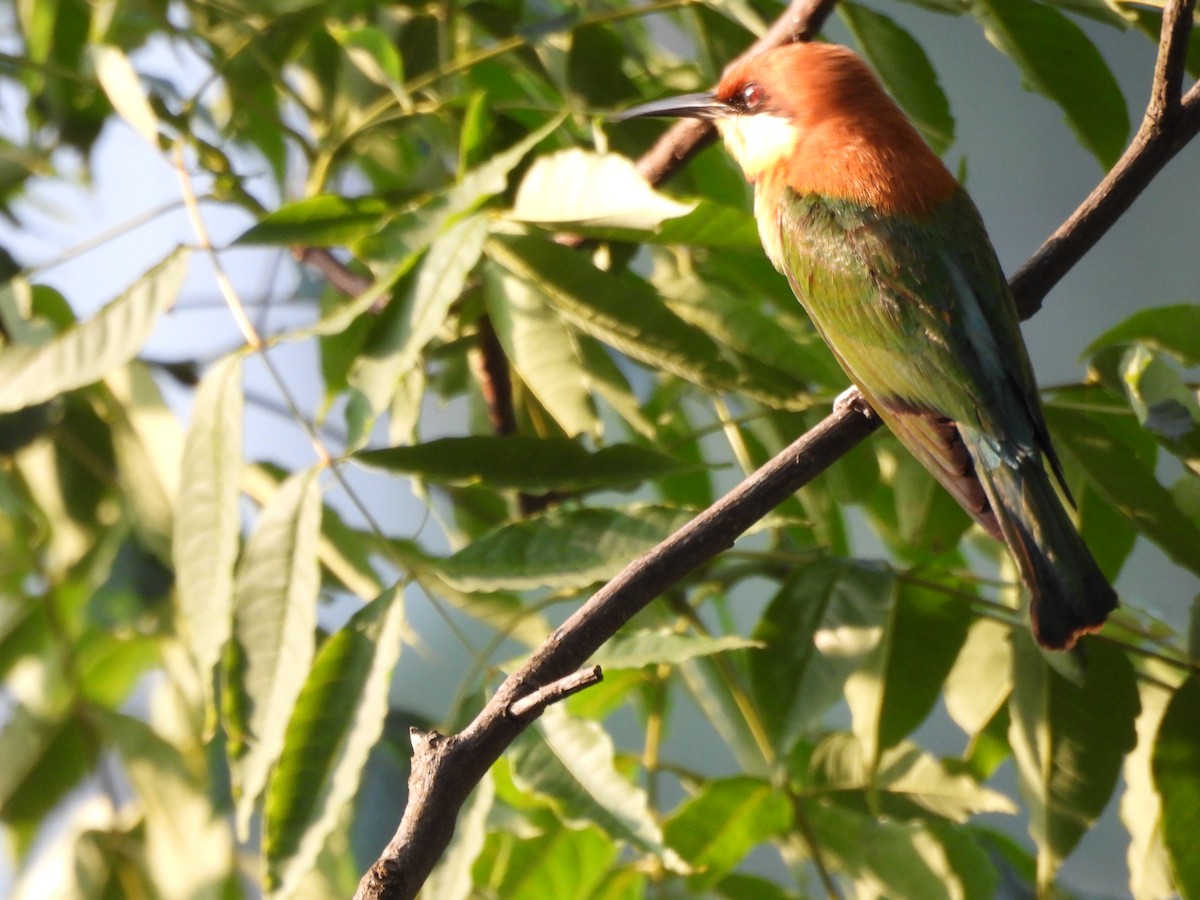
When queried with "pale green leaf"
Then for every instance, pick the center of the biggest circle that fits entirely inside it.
(662, 646)
(902, 861)
(148, 442)
(1068, 742)
(188, 845)
(603, 189)
(979, 683)
(116, 75)
(274, 632)
(87, 352)
(205, 541)
(1141, 805)
(572, 761)
(395, 348)
(565, 862)
(336, 720)
(826, 619)
(1174, 330)
(906, 782)
(543, 350)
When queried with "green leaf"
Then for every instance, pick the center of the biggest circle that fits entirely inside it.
(120, 81)
(564, 862)
(1057, 60)
(543, 350)
(85, 353)
(1068, 742)
(337, 719)
(564, 548)
(572, 761)
(1174, 330)
(604, 189)
(374, 54)
(1141, 803)
(917, 860)
(1124, 478)
(326, 220)
(896, 685)
(205, 542)
(905, 70)
(274, 632)
(1176, 768)
(906, 782)
(394, 347)
(818, 629)
(979, 683)
(709, 224)
(1165, 405)
(727, 819)
(188, 846)
(411, 231)
(662, 646)
(523, 463)
(623, 312)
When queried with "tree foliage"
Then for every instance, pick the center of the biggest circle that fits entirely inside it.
(197, 687)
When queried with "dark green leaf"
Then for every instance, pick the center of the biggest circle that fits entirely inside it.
(326, 220)
(563, 548)
(523, 463)
(905, 70)
(1174, 330)
(1057, 60)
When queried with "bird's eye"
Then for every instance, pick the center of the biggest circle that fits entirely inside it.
(751, 96)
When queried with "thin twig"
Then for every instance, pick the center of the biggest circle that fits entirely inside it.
(534, 703)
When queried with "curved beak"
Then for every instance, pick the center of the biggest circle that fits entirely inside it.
(691, 106)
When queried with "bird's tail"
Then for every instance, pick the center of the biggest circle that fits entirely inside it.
(1070, 595)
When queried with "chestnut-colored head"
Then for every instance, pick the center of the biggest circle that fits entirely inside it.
(814, 116)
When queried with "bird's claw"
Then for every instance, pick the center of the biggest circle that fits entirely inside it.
(852, 400)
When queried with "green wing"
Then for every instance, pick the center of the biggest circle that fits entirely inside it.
(920, 316)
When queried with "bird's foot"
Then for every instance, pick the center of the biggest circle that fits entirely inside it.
(852, 400)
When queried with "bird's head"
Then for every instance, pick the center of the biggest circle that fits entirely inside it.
(813, 116)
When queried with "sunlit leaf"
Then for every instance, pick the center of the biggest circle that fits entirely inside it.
(326, 220)
(90, 350)
(603, 189)
(661, 646)
(274, 628)
(727, 819)
(337, 718)
(543, 351)
(120, 82)
(1068, 742)
(205, 541)
(1141, 804)
(572, 761)
(1176, 767)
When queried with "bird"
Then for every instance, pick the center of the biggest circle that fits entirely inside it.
(889, 256)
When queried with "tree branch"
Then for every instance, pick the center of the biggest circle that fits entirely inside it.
(1169, 124)
(445, 769)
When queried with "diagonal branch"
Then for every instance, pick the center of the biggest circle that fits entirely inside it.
(1169, 124)
(445, 769)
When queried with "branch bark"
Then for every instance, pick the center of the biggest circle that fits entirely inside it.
(446, 768)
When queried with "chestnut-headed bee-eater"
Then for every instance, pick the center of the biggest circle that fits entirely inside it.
(890, 258)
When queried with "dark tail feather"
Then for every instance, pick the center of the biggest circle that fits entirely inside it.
(1070, 595)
